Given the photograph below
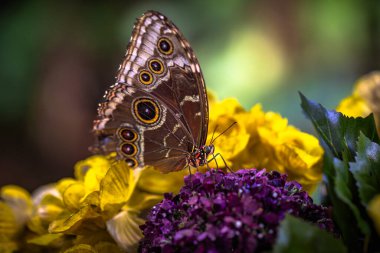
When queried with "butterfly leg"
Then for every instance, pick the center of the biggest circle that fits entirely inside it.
(214, 158)
(216, 161)
(208, 166)
(190, 175)
(188, 167)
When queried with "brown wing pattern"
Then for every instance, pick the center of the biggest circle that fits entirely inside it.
(183, 87)
(176, 94)
(155, 143)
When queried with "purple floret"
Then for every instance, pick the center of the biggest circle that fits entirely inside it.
(233, 212)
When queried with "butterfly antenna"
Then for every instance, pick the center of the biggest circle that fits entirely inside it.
(228, 128)
(212, 137)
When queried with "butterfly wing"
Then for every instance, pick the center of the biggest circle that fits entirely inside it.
(159, 98)
(182, 87)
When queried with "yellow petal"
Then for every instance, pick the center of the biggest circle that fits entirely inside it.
(91, 171)
(117, 187)
(300, 166)
(289, 157)
(365, 99)
(86, 220)
(228, 106)
(124, 228)
(15, 195)
(155, 182)
(374, 212)
(45, 240)
(62, 184)
(256, 155)
(255, 118)
(50, 207)
(354, 106)
(97, 162)
(36, 225)
(15, 209)
(45, 190)
(19, 200)
(72, 196)
(275, 122)
(92, 199)
(141, 200)
(268, 136)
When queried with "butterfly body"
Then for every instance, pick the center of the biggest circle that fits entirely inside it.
(157, 112)
(198, 157)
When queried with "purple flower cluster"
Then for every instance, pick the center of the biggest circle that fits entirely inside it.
(233, 212)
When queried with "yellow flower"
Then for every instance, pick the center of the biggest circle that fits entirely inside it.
(264, 140)
(101, 209)
(365, 98)
(67, 215)
(101, 189)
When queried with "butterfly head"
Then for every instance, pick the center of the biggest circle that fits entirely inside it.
(208, 150)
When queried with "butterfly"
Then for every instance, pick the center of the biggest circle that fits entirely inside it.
(156, 113)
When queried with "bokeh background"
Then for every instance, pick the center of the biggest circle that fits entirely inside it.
(57, 59)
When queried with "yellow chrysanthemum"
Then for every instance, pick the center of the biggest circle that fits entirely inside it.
(264, 140)
(365, 98)
(100, 210)
(100, 192)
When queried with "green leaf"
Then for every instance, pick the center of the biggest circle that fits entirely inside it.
(339, 132)
(344, 183)
(340, 135)
(366, 169)
(296, 235)
(342, 214)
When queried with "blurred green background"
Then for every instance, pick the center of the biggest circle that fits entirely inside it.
(56, 60)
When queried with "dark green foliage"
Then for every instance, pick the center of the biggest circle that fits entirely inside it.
(352, 169)
(296, 235)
